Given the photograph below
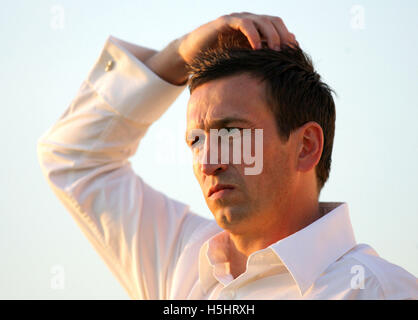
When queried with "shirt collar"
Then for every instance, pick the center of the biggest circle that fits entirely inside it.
(305, 253)
(309, 251)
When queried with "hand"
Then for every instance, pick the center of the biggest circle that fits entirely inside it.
(255, 27)
(170, 63)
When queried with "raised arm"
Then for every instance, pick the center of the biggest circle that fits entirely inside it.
(84, 157)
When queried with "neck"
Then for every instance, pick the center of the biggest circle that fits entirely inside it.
(287, 221)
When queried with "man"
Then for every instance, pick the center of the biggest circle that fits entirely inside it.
(271, 238)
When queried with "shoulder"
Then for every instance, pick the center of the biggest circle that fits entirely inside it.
(390, 280)
(361, 274)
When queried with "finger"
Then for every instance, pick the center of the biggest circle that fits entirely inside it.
(294, 44)
(285, 36)
(247, 27)
(269, 31)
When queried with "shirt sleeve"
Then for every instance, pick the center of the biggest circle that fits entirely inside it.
(138, 231)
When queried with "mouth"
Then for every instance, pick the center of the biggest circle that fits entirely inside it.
(219, 190)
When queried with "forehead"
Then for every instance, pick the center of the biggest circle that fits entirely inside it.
(238, 96)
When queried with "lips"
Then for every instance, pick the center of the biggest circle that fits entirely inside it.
(219, 187)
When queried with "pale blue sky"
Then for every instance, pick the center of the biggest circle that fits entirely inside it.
(370, 63)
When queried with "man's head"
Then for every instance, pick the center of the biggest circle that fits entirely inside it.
(280, 93)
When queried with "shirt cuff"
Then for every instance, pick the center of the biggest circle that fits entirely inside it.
(129, 86)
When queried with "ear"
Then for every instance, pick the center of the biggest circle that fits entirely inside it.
(310, 139)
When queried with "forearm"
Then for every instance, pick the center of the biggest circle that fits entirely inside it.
(109, 115)
(168, 64)
(140, 52)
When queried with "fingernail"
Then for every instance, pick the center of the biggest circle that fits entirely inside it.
(277, 48)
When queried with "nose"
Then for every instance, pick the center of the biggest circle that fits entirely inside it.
(213, 169)
(207, 165)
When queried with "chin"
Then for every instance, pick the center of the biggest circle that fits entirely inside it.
(231, 218)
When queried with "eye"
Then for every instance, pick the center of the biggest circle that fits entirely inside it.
(196, 139)
(229, 129)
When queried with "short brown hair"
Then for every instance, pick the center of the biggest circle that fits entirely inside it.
(294, 91)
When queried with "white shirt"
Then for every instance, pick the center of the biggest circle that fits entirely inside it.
(155, 246)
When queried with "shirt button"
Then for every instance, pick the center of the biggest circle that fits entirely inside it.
(109, 65)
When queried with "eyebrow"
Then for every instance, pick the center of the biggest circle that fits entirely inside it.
(221, 123)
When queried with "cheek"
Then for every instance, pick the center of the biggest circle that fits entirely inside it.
(278, 167)
(196, 172)
(200, 177)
